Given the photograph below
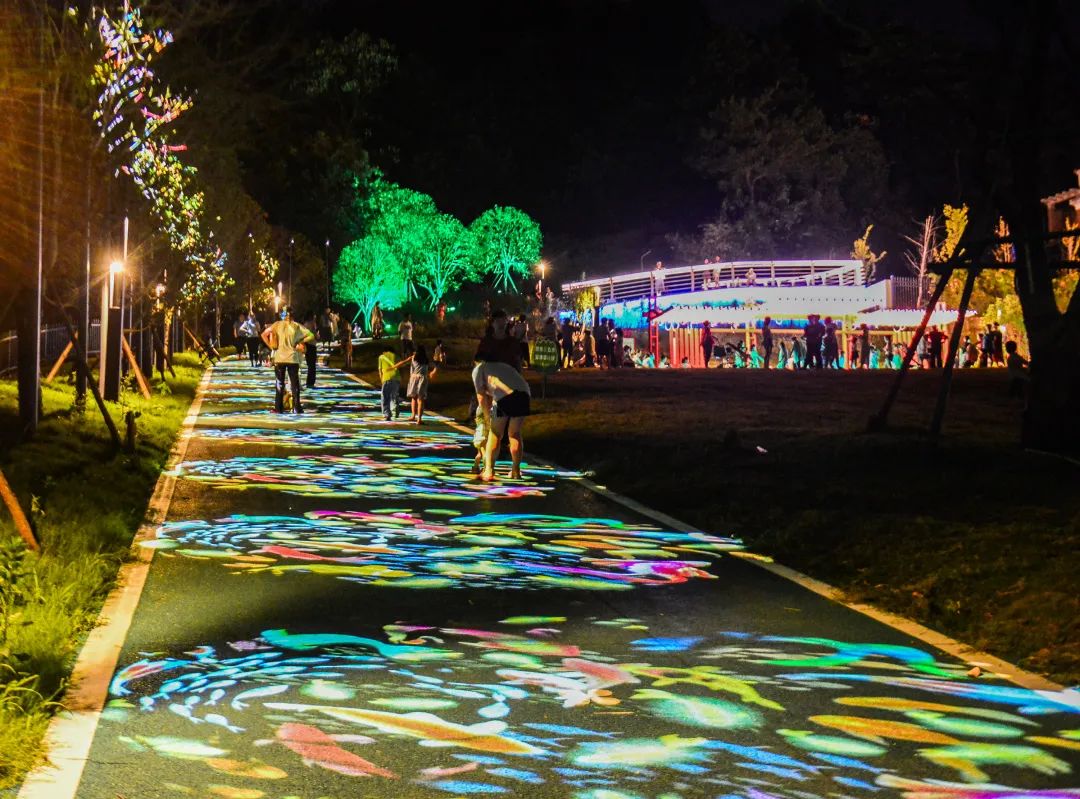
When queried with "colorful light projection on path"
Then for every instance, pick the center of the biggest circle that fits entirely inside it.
(384, 439)
(265, 417)
(425, 711)
(344, 476)
(404, 550)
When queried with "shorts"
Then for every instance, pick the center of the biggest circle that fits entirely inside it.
(512, 405)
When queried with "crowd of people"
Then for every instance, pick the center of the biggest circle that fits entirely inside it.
(502, 397)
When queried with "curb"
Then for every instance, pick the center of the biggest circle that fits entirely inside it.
(71, 732)
(961, 651)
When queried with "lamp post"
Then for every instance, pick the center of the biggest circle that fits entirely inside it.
(290, 299)
(112, 330)
(328, 273)
(641, 260)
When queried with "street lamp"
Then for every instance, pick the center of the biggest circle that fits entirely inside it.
(641, 261)
(116, 269)
(328, 273)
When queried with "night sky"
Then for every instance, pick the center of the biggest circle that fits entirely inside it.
(584, 112)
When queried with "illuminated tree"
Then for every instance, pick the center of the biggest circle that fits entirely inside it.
(861, 251)
(369, 272)
(439, 249)
(400, 217)
(134, 112)
(918, 260)
(506, 244)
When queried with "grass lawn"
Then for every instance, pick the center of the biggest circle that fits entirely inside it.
(975, 538)
(86, 504)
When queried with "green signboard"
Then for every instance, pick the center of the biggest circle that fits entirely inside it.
(545, 356)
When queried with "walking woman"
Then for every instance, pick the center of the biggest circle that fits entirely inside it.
(287, 340)
(420, 373)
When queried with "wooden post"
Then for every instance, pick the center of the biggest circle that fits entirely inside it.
(80, 363)
(59, 362)
(134, 364)
(954, 343)
(22, 524)
(162, 353)
(204, 351)
(880, 419)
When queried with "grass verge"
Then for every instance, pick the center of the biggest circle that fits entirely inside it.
(975, 537)
(86, 504)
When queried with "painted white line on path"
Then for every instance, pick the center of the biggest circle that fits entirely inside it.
(71, 732)
(959, 650)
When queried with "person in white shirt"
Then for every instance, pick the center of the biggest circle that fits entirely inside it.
(503, 396)
(405, 330)
(287, 339)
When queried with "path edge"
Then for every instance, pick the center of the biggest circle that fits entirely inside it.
(968, 654)
(961, 651)
(70, 733)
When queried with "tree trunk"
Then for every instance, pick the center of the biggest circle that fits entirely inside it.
(1052, 416)
(29, 370)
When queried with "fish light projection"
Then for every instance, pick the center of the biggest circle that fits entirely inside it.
(406, 550)
(265, 417)
(382, 438)
(426, 711)
(344, 476)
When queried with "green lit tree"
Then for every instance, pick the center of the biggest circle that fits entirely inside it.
(399, 216)
(369, 272)
(506, 243)
(439, 252)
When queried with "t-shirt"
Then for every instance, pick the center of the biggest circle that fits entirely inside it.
(405, 329)
(1015, 364)
(497, 380)
(387, 369)
(288, 335)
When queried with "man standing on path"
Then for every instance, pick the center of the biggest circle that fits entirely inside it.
(503, 396)
(391, 381)
(706, 342)
(766, 340)
(286, 340)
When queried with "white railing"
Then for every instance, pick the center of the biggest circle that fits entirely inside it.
(698, 277)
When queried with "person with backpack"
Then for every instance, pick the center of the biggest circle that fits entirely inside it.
(287, 341)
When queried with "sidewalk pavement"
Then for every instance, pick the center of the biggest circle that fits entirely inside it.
(337, 608)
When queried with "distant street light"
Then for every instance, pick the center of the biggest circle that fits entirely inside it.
(641, 261)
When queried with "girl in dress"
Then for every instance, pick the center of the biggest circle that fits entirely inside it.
(420, 373)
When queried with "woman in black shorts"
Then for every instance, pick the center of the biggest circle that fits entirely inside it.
(504, 396)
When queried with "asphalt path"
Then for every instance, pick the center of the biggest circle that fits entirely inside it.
(337, 608)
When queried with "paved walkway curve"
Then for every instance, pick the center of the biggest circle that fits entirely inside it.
(336, 608)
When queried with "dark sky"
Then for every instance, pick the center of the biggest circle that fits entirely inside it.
(575, 111)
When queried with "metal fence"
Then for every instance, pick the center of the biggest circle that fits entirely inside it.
(905, 292)
(53, 341)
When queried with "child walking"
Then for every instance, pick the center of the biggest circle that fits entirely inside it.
(479, 438)
(420, 374)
